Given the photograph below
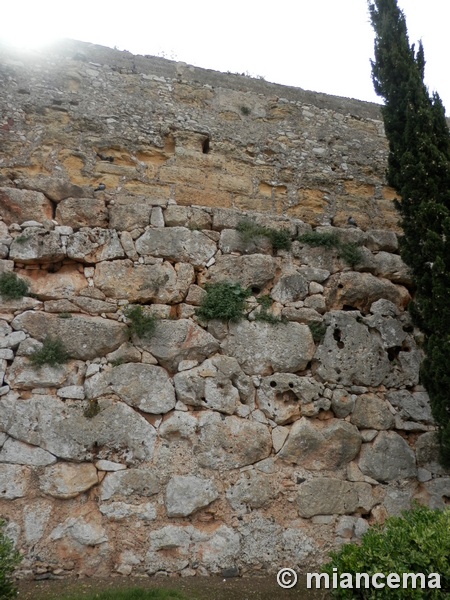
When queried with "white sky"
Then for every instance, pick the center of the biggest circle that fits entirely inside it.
(320, 45)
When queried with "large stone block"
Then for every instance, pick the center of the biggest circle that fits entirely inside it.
(82, 212)
(262, 348)
(84, 337)
(37, 246)
(371, 412)
(253, 271)
(132, 482)
(94, 245)
(231, 443)
(321, 445)
(66, 480)
(326, 496)
(18, 206)
(388, 458)
(252, 490)
(19, 453)
(185, 494)
(14, 481)
(178, 244)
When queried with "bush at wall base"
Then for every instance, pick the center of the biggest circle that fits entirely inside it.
(9, 559)
(416, 542)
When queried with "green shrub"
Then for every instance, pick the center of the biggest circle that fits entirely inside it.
(318, 330)
(350, 252)
(416, 542)
(52, 353)
(264, 315)
(224, 301)
(279, 238)
(12, 287)
(140, 324)
(9, 559)
(245, 110)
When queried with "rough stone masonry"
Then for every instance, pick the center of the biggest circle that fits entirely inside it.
(245, 446)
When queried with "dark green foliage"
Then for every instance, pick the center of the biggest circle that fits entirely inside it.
(9, 559)
(52, 353)
(416, 542)
(12, 287)
(140, 324)
(245, 110)
(264, 315)
(279, 238)
(92, 409)
(348, 251)
(318, 330)
(133, 594)
(419, 170)
(65, 315)
(224, 301)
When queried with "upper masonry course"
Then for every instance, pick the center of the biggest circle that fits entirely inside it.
(170, 131)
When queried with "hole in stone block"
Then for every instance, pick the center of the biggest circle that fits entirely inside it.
(205, 146)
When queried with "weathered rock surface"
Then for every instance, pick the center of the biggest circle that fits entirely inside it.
(232, 443)
(94, 245)
(186, 494)
(321, 445)
(37, 245)
(19, 453)
(388, 458)
(82, 212)
(326, 496)
(371, 412)
(84, 337)
(252, 490)
(132, 482)
(177, 243)
(65, 480)
(262, 348)
(17, 206)
(14, 481)
(252, 271)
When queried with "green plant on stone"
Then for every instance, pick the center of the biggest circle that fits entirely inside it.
(249, 231)
(350, 252)
(52, 353)
(416, 542)
(22, 239)
(245, 110)
(264, 315)
(12, 287)
(318, 330)
(92, 409)
(140, 324)
(65, 315)
(224, 301)
(133, 594)
(9, 559)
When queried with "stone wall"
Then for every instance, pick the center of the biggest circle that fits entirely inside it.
(241, 446)
(191, 135)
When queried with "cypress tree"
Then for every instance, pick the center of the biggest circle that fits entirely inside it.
(419, 170)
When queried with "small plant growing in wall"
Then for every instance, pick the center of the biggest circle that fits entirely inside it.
(92, 409)
(264, 315)
(52, 353)
(12, 287)
(9, 559)
(224, 301)
(279, 238)
(139, 323)
(318, 331)
(348, 251)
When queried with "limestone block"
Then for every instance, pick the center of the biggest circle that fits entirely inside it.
(411, 406)
(131, 482)
(381, 239)
(314, 273)
(390, 266)
(252, 271)
(232, 443)
(82, 212)
(290, 288)
(145, 387)
(94, 245)
(169, 549)
(35, 519)
(439, 490)
(371, 412)
(75, 392)
(65, 283)
(253, 490)
(342, 403)
(319, 445)
(178, 244)
(178, 425)
(262, 348)
(428, 453)
(349, 354)
(64, 431)
(174, 341)
(81, 531)
(23, 375)
(327, 496)
(126, 353)
(232, 241)
(67, 480)
(117, 511)
(14, 481)
(94, 306)
(55, 188)
(391, 330)
(220, 551)
(37, 246)
(17, 206)
(143, 283)
(388, 458)
(187, 494)
(126, 217)
(12, 340)
(84, 337)
(301, 315)
(19, 453)
(281, 396)
(360, 290)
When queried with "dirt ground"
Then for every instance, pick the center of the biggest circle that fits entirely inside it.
(195, 588)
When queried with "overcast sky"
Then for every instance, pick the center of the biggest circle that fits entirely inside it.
(320, 45)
